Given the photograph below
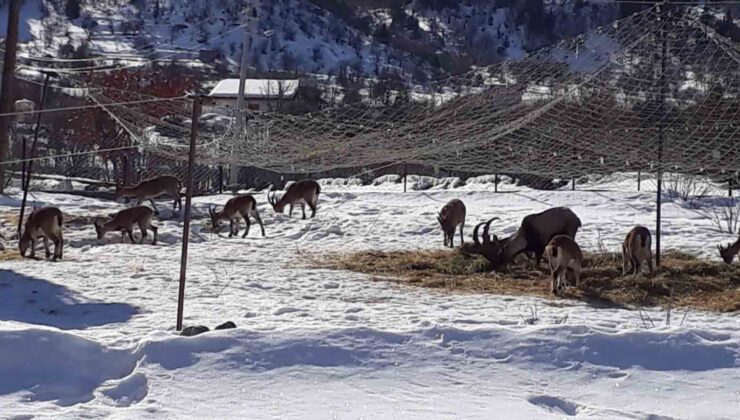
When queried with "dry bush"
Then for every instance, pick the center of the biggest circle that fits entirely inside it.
(684, 280)
(725, 215)
(688, 187)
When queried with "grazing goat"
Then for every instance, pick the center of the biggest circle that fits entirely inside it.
(635, 250)
(451, 216)
(302, 192)
(244, 206)
(153, 188)
(45, 222)
(124, 222)
(728, 252)
(563, 253)
(533, 235)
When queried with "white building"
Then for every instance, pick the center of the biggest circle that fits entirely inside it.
(259, 94)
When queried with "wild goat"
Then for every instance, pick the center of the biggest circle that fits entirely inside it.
(124, 222)
(244, 206)
(151, 189)
(45, 222)
(451, 216)
(563, 253)
(728, 252)
(533, 235)
(635, 250)
(302, 192)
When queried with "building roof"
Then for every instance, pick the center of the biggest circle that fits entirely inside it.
(256, 88)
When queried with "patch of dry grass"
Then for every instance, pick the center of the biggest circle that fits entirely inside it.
(10, 255)
(683, 280)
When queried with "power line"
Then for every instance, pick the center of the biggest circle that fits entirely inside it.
(76, 108)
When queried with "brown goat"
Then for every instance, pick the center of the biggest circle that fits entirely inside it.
(301, 192)
(635, 250)
(563, 253)
(124, 222)
(729, 252)
(533, 235)
(45, 222)
(244, 206)
(153, 188)
(450, 217)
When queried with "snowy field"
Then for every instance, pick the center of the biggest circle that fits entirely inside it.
(92, 336)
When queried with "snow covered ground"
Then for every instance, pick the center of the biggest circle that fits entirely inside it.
(92, 336)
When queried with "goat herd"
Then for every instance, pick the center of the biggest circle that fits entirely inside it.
(46, 222)
(550, 233)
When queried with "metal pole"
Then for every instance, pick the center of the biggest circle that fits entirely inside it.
(573, 184)
(220, 179)
(26, 178)
(6, 91)
(639, 175)
(659, 197)
(495, 182)
(405, 176)
(188, 201)
(729, 186)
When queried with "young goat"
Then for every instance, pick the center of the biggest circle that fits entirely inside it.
(635, 250)
(153, 188)
(728, 252)
(451, 216)
(302, 192)
(45, 222)
(244, 206)
(563, 253)
(124, 222)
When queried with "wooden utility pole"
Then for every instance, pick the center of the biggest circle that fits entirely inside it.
(6, 93)
(188, 201)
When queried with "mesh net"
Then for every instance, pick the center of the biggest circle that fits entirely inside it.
(603, 102)
(656, 91)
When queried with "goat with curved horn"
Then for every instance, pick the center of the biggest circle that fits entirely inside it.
(533, 235)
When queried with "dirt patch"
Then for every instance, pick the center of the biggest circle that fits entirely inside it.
(683, 280)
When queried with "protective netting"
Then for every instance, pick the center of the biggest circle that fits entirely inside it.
(656, 91)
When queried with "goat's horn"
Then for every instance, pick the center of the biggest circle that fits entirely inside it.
(476, 239)
(486, 238)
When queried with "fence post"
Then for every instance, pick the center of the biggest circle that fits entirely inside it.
(188, 200)
(220, 179)
(26, 175)
(405, 176)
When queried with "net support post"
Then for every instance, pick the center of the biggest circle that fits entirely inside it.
(197, 102)
(405, 176)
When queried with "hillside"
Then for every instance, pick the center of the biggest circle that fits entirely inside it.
(417, 40)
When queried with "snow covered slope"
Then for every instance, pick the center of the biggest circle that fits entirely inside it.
(414, 40)
(92, 336)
